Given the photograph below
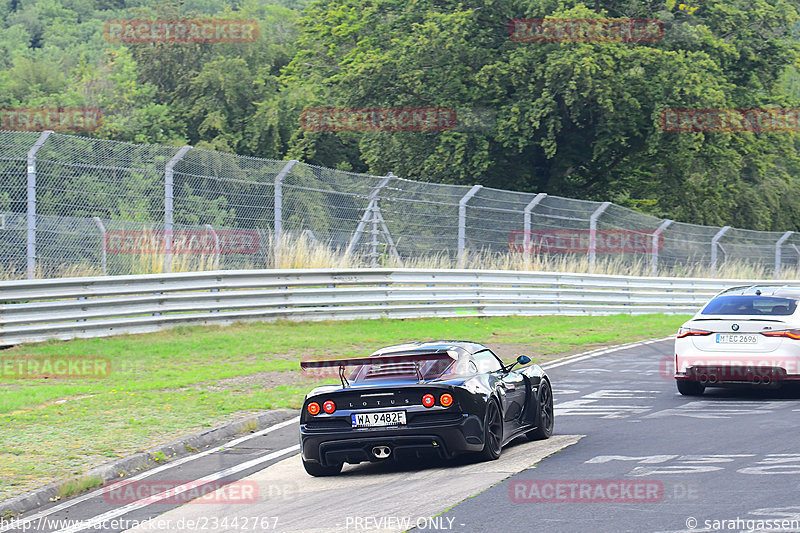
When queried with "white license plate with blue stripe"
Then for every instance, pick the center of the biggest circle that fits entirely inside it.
(382, 419)
(736, 338)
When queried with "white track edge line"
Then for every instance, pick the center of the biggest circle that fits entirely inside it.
(599, 351)
(80, 499)
(98, 520)
(575, 358)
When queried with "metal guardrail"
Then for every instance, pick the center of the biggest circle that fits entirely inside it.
(37, 310)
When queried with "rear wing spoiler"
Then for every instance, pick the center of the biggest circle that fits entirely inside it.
(376, 360)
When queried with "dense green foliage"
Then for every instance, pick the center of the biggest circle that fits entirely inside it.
(573, 119)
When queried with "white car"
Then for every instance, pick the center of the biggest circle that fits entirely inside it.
(745, 336)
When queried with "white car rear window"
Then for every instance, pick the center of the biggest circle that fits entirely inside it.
(750, 305)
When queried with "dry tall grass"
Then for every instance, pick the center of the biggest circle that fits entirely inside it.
(304, 252)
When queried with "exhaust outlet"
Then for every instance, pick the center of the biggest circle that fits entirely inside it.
(704, 379)
(381, 452)
(712, 378)
(756, 379)
(766, 380)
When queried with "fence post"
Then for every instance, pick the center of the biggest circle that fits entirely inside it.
(370, 212)
(656, 236)
(526, 222)
(778, 253)
(714, 242)
(796, 250)
(593, 232)
(169, 173)
(374, 231)
(103, 259)
(31, 242)
(462, 222)
(278, 210)
(213, 233)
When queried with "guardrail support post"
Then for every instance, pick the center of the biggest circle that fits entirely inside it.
(462, 222)
(278, 225)
(169, 173)
(654, 249)
(714, 244)
(593, 232)
(31, 242)
(778, 253)
(526, 222)
(103, 258)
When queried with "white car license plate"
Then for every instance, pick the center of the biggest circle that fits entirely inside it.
(734, 338)
(371, 420)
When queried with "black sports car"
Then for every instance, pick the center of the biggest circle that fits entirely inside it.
(442, 398)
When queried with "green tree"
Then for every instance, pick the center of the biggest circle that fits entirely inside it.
(575, 119)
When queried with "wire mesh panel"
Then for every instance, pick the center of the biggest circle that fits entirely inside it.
(629, 236)
(686, 243)
(104, 207)
(422, 217)
(235, 196)
(79, 178)
(332, 206)
(752, 247)
(14, 149)
(495, 218)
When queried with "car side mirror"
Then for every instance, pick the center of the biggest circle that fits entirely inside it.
(521, 360)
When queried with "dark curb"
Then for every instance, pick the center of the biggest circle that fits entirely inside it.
(149, 458)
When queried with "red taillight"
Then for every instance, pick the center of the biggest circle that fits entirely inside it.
(689, 332)
(428, 400)
(446, 400)
(313, 408)
(329, 407)
(788, 333)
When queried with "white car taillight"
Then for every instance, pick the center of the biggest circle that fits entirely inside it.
(691, 332)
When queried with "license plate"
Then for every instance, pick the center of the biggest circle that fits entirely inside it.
(733, 338)
(385, 418)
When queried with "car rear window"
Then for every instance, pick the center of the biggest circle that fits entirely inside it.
(429, 370)
(750, 305)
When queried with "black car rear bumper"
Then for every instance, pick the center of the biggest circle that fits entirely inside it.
(445, 440)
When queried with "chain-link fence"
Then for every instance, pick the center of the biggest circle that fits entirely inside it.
(76, 206)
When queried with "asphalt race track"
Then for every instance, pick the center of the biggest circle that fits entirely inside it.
(629, 454)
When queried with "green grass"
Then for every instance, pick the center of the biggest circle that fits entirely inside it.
(173, 383)
(78, 485)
